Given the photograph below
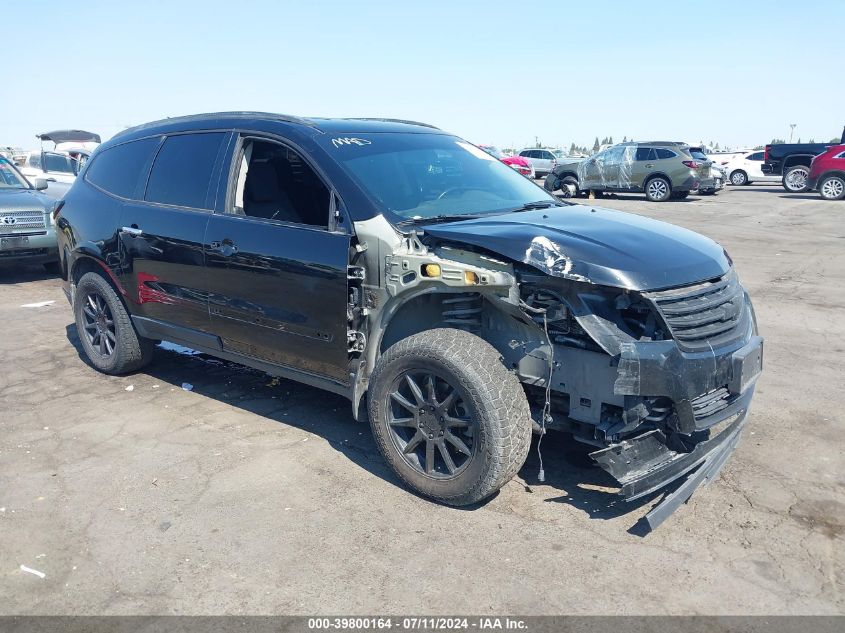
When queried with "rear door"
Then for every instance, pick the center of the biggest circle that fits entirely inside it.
(277, 267)
(753, 166)
(162, 233)
(644, 162)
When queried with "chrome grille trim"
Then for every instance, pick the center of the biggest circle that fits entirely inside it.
(12, 221)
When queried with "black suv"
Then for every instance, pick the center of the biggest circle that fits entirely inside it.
(392, 259)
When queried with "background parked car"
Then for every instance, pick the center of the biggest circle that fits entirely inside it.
(662, 170)
(792, 162)
(717, 174)
(57, 169)
(827, 173)
(543, 161)
(745, 168)
(27, 232)
(517, 162)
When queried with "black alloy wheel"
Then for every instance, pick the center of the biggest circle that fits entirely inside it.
(431, 424)
(98, 325)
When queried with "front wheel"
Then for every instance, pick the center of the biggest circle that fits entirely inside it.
(105, 329)
(795, 179)
(739, 178)
(832, 188)
(658, 189)
(448, 417)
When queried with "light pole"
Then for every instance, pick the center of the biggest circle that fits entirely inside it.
(791, 130)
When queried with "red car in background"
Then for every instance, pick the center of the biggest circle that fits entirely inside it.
(517, 162)
(827, 173)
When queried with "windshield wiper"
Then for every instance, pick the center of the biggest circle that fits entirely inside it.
(539, 204)
(443, 217)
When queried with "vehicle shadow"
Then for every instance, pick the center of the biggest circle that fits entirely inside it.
(568, 468)
(10, 274)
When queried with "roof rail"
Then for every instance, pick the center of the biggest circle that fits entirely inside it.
(209, 115)
(364, 118)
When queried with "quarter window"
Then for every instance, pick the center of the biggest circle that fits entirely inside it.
(118, 169)
(181, 174)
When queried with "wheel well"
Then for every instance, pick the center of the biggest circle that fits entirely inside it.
(734, 171)
(794, 161)
(85, 265)
(658, 174)
(433, 310)
(568, 174)
(832, 172)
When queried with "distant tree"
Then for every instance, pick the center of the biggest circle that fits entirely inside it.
(624, 139)
(835, 139)
(812, 140)
(596, 145)
(716, 147)
(572, 149)
(777, 141)
(610, 140)
(799, 139)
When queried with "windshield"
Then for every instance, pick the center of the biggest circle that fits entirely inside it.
(419, 176)
(493, 151)
(10, 178)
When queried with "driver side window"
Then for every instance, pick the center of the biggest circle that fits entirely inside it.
(273, 182)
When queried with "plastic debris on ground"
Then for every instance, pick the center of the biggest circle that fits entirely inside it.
(34, 572)
(39, 304)
(187, 386)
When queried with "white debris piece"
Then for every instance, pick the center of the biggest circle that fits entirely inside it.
(130, 388)
(34, 572)
(179, 349)
(39, 304)
(187, 386)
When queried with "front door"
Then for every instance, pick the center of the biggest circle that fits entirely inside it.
(277, 271)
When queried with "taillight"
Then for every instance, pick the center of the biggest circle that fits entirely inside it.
(766, 154)
(692, 164)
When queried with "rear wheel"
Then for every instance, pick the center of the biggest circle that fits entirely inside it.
(105, 329)
(739, 178)
(448, 417)
(832, 188)
(658, 189)
(795, 179)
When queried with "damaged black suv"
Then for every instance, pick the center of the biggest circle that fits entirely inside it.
(391, 259)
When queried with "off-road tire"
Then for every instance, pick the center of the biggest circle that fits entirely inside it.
(131, 351)
(493, 393)
(652, 185)
(739, 178)
(788, 176)
(832, 187)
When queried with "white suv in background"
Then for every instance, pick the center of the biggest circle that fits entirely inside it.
(542, 160)
(744, 168)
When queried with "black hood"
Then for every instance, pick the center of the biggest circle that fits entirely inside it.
(601, 246)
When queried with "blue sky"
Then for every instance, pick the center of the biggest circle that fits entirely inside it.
(737, 73)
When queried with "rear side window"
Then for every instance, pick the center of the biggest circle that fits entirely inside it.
(646, 153)
(118, 169)
(697, 154)
(58, 163)
(664, 153)
(756, 156)
(182, 170)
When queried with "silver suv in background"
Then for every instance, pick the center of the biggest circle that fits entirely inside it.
(542, 160)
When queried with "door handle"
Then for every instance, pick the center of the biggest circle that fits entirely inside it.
(226, 247)
(649, 166)
(132, 230)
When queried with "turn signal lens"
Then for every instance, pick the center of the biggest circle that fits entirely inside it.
(431, 270)
(470, 278)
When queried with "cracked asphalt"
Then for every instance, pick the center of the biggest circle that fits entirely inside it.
(249, 495)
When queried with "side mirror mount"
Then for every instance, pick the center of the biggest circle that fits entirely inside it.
(40, 184)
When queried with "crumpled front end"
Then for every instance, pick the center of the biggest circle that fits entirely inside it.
(659, 382)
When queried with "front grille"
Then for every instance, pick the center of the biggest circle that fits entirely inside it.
(14, 221)
(711, 402)
(703, 315)
(23, 252)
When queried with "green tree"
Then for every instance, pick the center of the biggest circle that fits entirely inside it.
(624, 139)
(777, 141)
(610, 140)
(596, 145)
(835, 139)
